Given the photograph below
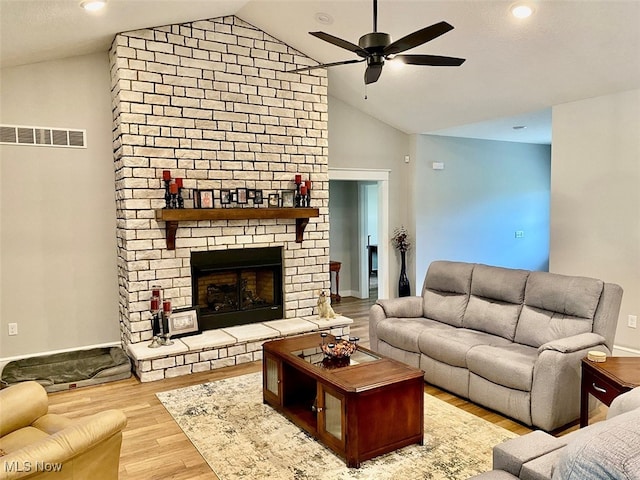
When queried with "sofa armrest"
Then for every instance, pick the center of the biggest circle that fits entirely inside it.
(403, 307)
(512, 454)
(70, 442)
(575, 343)
(555, 391)
(624, 403)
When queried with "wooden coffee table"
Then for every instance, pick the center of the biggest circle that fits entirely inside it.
(360, 409)
(607, 380)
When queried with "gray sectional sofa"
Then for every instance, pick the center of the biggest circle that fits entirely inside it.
(608, 449)
(510, 340)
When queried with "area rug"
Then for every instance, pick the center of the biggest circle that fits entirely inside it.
(242, 438)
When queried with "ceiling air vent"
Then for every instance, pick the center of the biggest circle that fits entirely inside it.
(43, 136)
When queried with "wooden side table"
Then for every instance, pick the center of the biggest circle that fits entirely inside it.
(606, 380)
(335, 267)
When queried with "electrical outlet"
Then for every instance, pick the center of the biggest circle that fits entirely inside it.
(632, 321)
(519, 233)
(13, 328)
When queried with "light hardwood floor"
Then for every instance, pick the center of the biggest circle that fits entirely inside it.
(154, 447)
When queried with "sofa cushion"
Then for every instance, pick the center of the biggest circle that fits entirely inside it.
(403, 333)
(557, 306)
(496, 300)
(21, 438)
(451, 345)
(508, 365)
(446, 291)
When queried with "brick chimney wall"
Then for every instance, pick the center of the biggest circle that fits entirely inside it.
(211, 102)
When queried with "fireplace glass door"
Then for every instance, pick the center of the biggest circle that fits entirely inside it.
(236, 287)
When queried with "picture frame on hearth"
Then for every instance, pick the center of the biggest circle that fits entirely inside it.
(184, 322)
(242, 195)
(251, 194)
(258, 199)
(274, 200)
(288, 197)
(204, 199)
(225, 196)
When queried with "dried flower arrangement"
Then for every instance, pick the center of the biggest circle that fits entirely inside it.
(400, 239)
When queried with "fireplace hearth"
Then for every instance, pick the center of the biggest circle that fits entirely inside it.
(238, 286)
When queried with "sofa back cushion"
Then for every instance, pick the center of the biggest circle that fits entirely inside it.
(446, 291)
(496, 300)
(557, 306)
(21, 405)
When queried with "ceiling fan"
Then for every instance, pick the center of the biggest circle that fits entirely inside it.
(376, 47)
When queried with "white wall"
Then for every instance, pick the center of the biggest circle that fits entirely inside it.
(57, 211)
(471, 210)
(595, 198)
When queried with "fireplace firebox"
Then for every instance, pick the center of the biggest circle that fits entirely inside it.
(236, 287)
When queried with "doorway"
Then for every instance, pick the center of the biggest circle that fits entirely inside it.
(358, 220)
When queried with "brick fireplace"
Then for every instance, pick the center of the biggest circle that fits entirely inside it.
(210, 102)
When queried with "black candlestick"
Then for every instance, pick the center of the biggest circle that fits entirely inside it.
(180, 199)
(167, 194)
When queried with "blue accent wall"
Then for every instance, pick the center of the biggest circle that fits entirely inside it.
(471, 210)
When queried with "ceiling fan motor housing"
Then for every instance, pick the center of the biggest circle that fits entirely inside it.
(374, 42)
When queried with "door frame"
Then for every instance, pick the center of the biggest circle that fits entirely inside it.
(381, 176)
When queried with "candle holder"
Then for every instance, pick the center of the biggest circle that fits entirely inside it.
(307, 184)
(157, 337)
(180, 199)
(155, 320)
(174, 200)
(167, 193)
(298, 197)
(165, 338)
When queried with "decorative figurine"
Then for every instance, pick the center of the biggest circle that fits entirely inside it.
(324, 306)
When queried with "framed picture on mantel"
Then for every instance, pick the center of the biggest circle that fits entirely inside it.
(204, 199)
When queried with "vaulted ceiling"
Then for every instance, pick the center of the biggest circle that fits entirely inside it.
(514, 72)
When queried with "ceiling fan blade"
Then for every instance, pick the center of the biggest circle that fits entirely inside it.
(339, 42)
(325, 65)
(417, 38)
(433, 60)
(372, 74)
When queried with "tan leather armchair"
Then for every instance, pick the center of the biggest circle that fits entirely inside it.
(38, 445)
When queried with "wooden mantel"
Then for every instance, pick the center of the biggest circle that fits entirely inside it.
(173, 216)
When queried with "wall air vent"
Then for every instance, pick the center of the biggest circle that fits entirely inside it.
(42, 136)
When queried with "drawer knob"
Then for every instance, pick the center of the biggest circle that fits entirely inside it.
(599, 389)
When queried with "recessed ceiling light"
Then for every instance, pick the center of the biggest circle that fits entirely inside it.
(93, 5)
(324, 18)
(521, 10)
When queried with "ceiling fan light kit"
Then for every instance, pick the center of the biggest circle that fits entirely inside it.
(376, 47)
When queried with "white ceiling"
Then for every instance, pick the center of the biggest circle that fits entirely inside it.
(515, 69)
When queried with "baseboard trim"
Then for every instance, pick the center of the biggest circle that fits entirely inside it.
(4, 361)
(619, 351)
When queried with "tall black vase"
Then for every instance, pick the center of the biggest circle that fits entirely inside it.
(404, 287)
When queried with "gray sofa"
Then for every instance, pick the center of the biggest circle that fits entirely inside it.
(510, 340)
(608, 449)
